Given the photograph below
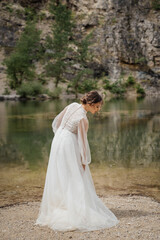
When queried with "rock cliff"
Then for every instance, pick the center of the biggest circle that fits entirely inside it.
(126, 37)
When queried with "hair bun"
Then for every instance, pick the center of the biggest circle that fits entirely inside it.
(84, 101)
(91, 97)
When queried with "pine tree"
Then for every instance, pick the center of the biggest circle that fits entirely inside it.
(58, 44)
(20, 64)
(83, 80)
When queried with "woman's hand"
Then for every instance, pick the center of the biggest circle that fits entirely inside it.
(83, 166)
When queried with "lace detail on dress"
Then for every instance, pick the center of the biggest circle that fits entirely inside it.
(74, 119)
(70, 117)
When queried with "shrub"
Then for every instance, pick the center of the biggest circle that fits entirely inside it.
(30, 89)
(130, 81)
(41, 16)
(6, 91)
(41, 78)
(87, 85)
(55, 93)
(140, 90)
(107, 84)
(118, 88)
(30, 14)
(115, 88)
(82, 82)
(36, 88)
(24, 90)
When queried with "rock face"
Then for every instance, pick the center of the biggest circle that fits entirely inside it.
(126, 37)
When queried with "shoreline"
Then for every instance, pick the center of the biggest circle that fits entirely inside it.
(20, 184)
(44, 97)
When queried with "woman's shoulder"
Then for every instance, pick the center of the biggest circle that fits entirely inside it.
(74, 104)
(77, 109)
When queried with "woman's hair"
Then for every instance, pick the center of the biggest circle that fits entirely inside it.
(91, 98)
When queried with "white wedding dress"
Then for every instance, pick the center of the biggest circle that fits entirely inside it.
(69, 199)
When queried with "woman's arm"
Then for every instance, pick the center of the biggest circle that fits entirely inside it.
(83, 142)
(58, 119)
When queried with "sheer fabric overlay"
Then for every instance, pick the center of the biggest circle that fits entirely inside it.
(69, 199)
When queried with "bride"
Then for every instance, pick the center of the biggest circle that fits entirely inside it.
(69, 199)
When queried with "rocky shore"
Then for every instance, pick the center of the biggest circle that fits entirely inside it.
(137, 206)
(139, 219)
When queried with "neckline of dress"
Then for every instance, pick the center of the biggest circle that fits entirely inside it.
(83, 109)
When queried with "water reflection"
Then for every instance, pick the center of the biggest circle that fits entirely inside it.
(126, 142)
(125, 133)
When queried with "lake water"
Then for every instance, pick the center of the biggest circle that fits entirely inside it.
(124, 135)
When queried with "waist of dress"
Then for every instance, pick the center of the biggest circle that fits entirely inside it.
(66, 129)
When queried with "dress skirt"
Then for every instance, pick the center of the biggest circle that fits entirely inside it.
(69, 199)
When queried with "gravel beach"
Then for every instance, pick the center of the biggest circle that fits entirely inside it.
(139, 218)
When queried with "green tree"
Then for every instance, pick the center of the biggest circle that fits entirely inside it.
(83, 80)
(58, 44)
(20, 64)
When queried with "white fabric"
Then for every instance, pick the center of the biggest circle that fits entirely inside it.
(69, 199)
(73, 118)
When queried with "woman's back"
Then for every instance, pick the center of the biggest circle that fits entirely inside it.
(70, 117)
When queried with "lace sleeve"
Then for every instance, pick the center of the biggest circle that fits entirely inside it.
(83, 141)
(58, 119)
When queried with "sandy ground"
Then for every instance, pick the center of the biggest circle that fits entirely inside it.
(133, 197)
(139, 220)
